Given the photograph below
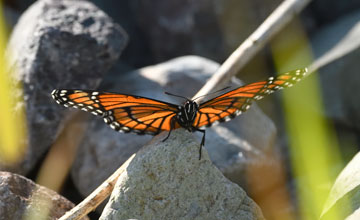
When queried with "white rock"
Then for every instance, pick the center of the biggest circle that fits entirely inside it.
(166, 180)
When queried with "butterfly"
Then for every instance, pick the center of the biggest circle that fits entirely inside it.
(130, 113)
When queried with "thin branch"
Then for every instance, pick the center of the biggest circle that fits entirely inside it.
(282, 15)
(272, 25)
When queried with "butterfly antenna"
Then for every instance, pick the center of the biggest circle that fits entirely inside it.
(168, 93)
(212, 92)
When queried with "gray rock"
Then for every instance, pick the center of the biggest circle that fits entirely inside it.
(232, 146)
(166, 180)
(58, 44)
(21, 198)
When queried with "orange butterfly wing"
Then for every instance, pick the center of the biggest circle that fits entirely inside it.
(233, 103)
(122, 112)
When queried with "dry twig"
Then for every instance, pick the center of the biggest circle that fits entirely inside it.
(253, 44)
(97, 196)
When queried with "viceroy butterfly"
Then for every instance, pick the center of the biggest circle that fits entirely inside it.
(129, 113)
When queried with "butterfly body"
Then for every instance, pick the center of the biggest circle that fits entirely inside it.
(186, 115)
(129, 113)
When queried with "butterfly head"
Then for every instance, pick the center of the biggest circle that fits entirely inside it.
(187, 114)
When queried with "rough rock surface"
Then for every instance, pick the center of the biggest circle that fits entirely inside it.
(232, 145)
(58, 44)
(21, 198)
(166, 180)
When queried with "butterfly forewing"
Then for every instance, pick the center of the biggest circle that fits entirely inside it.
(122, 112)
(230, 104)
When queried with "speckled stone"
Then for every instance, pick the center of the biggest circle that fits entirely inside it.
(21, 198)
(166, 180)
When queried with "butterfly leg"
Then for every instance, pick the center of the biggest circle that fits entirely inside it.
(202, 141)
(172, 126)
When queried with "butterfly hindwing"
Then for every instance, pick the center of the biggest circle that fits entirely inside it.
(122, 112)
(233, 103)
